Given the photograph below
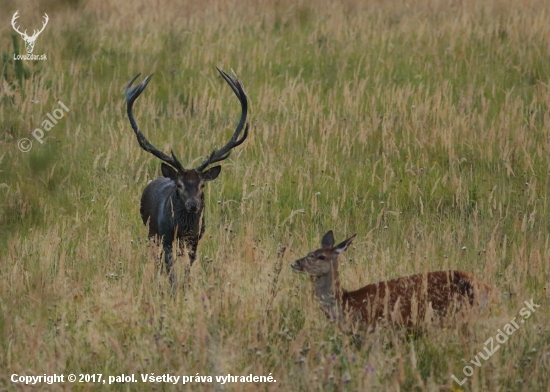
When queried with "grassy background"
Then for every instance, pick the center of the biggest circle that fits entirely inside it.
(422, 126)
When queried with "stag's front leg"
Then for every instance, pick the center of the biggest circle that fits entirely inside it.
(169, 264)
(188, 246)
(191, 243)
(192, 250)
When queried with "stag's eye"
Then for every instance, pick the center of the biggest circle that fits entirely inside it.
(321, 257)
(178, 185)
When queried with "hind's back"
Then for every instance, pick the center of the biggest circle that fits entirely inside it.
(415, 299)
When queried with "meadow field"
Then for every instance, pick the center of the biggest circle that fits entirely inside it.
(422, 126)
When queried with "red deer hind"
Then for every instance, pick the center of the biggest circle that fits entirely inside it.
(173, 205)
(407, 301)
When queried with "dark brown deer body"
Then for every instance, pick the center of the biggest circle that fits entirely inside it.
(406, 302)
(173, 205)
(171, 213)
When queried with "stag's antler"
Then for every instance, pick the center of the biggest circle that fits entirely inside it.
(217, 155)
(223, 153)
(131, 95)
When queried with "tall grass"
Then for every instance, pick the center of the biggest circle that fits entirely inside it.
(422, 126)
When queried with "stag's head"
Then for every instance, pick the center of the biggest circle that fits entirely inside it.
(190, 182)
(323, 260)
(29, 40)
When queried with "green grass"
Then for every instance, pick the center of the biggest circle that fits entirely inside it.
(423, 127)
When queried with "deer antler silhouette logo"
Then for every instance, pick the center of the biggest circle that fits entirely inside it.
(29, 40)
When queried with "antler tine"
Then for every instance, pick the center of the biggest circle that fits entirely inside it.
(131, 95)
(224, 152)
(178, 165)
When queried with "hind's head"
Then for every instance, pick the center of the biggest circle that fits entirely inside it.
(323, 260)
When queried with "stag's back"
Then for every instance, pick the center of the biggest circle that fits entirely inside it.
(153, 201)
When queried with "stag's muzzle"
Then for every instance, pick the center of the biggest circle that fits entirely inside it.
(192, 205)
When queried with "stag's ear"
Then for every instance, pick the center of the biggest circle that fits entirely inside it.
(328, 240)
(212, 173)
(342, 246)
(167, 171)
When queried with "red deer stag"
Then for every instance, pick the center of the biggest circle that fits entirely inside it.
(173, 205)
(407, 301)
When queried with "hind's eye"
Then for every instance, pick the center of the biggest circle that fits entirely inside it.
(178, 185)
(321, 257)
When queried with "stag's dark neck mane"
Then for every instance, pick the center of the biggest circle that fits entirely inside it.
(188, 223)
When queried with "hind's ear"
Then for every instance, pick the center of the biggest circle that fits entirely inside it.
(342, 246)
(167, 171)
(328, 240)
